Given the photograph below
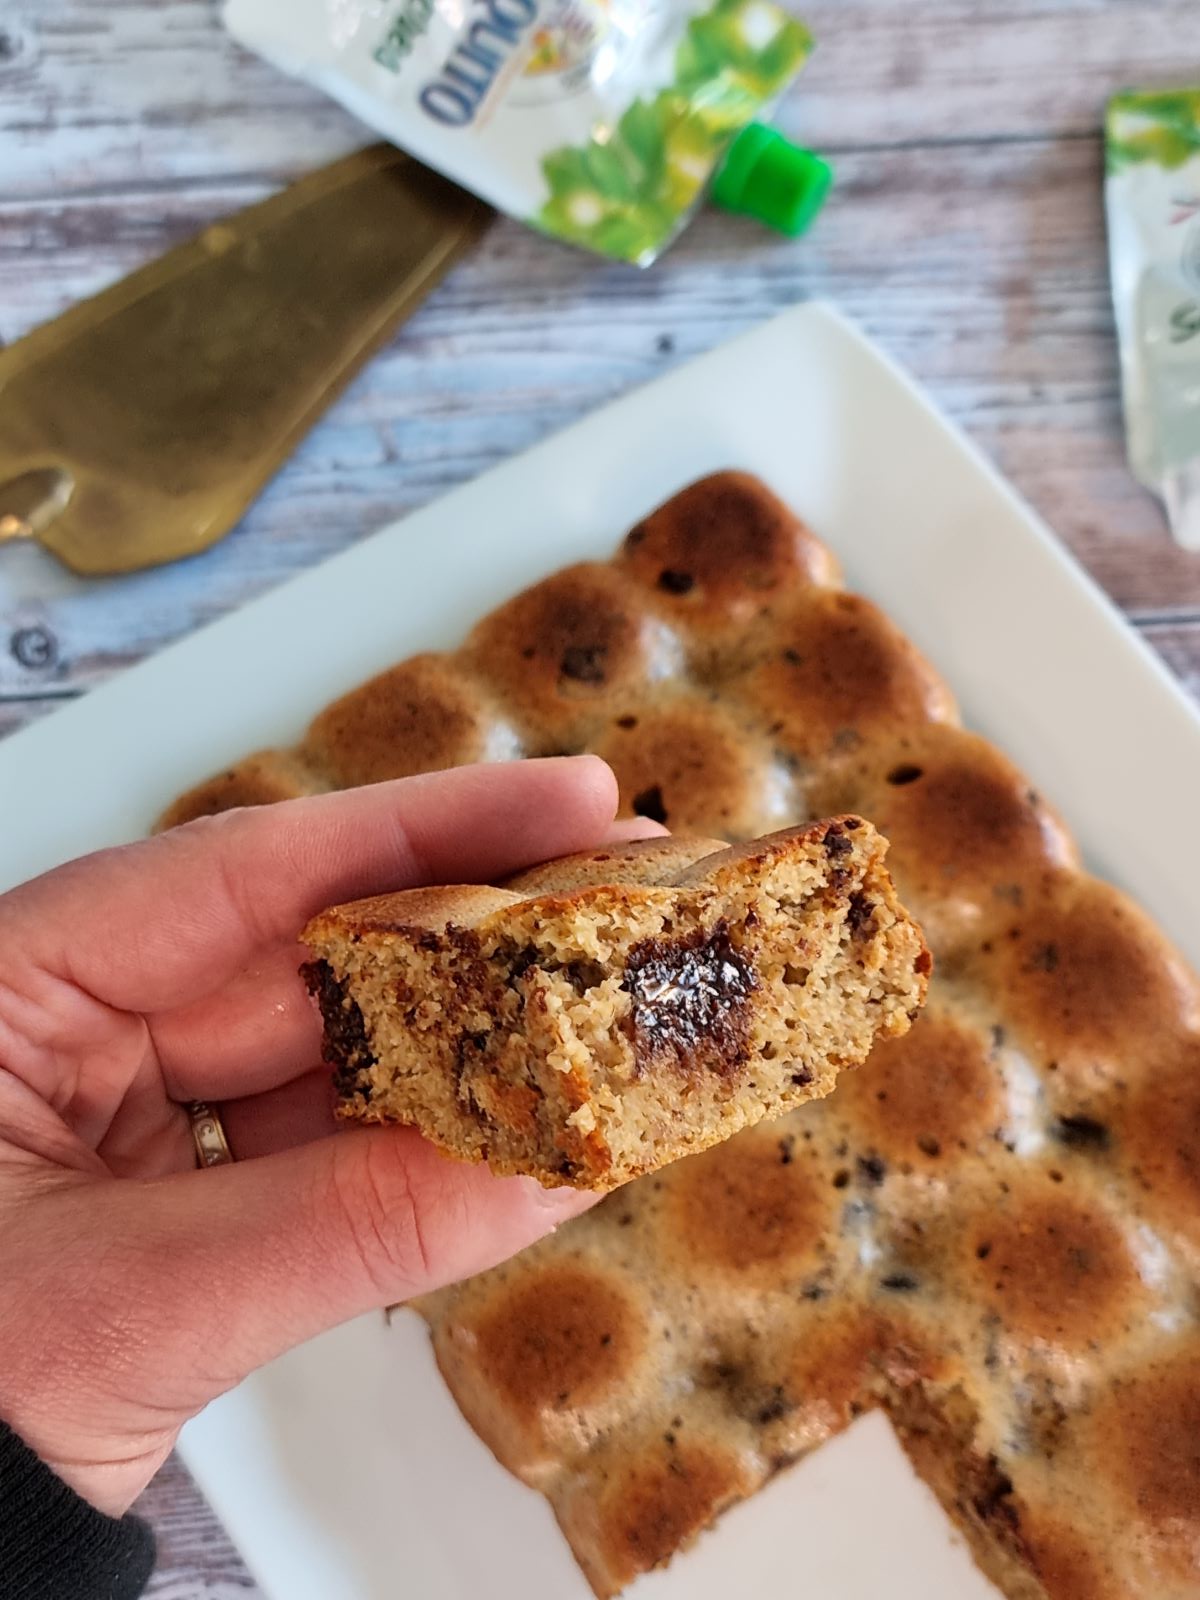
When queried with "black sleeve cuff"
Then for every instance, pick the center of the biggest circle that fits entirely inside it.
(54, 1545)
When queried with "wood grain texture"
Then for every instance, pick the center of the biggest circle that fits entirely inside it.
(983, 271)
(106, 94)
(965, 234)
(195, 1555)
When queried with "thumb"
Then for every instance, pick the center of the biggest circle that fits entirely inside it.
(252, 1259)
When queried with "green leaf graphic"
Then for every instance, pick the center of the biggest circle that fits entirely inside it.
(752, 43)
(624, 193)
(1162, 126)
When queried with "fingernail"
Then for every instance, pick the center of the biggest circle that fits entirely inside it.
(629, 829)
(563, 1203)
(580, 759)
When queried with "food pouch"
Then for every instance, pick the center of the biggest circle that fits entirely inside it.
(1152, 197)
(601, 122)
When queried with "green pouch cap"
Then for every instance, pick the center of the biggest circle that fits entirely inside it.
(767, 177)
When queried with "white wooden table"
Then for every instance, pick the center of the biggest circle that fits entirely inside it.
(965, 234)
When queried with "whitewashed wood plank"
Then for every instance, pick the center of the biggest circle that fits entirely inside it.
(102, 93)
(1179, 645)
(96, 94)
(195, 1555)
(986, 276)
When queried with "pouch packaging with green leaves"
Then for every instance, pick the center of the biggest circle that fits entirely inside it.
(1152, 196)
(602, 122)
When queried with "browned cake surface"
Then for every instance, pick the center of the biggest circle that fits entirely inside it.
(606, 1013)
(992, 1228)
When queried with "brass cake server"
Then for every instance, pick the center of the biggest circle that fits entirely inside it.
(138, 426)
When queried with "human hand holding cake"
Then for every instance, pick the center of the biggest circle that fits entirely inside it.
(138, 981)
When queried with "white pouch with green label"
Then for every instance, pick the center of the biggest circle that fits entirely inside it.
(601, 122)
(1152, 198)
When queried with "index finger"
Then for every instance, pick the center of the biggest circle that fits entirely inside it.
(153, 925)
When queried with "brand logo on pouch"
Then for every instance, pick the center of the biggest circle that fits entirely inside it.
(488, 42)
(551, 47)
(484, 45)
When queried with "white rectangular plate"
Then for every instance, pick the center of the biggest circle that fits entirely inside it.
(344, 1470)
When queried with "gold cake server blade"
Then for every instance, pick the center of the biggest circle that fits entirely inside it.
(137, 427)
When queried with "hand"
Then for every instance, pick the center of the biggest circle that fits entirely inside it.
(136, 1288)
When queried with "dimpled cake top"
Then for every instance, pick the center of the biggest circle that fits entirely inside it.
(992, 1229)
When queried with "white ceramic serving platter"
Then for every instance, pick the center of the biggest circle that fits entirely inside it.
(344, 1471)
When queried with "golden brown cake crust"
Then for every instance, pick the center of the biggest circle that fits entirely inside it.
(1045, 1371)
(606, 1013)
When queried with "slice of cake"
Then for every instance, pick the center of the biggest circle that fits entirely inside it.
(604, 1014)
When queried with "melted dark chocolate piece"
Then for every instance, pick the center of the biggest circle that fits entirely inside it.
(836, 842)
(905, 774)
(690, 999)
(584, 663)
(859, 914)
(993, 1500)
(1082, 1133)
(899, 1282)
(872, 1169)
(344, 1044)
(649, 803)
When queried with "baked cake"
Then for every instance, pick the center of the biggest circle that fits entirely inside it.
(991, 1228)
(612, 1011)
